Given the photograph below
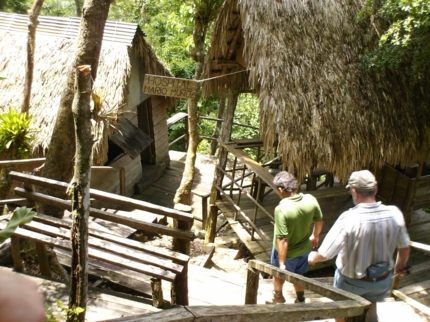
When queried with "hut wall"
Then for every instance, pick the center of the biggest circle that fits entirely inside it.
(397, 188)
(159, 115)
(135, 85)
(110, 181)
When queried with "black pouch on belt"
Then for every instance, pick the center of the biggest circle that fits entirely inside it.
(377, 270)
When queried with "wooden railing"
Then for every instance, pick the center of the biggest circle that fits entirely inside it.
(396, 283)
(175, 274)
(344, 305)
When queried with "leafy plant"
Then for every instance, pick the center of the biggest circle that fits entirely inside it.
(16, 136)
(64, 312)
(405, 35)
(20, 216)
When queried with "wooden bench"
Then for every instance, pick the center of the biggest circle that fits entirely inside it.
(118, 254)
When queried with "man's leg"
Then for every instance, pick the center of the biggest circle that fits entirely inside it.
(277, 296)
(299, 265)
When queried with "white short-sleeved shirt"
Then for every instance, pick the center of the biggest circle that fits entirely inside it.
(364, 235)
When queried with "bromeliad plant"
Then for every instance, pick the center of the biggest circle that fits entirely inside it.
(16, 136)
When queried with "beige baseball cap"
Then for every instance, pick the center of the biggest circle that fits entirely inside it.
(362, 180)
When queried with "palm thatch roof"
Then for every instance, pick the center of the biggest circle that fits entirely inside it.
(55, 47)
(304, 61)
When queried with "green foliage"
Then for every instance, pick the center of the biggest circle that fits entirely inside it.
(169, 28)
(58, 8)
(15, 6)
(16, 136)
(127, 11)
(247, 113)
(20, 216)
(65, 313)
(405, 40)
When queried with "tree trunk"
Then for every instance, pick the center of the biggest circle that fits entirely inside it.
(80, 192)
(33, 16)
(222, 162)
(184, 191)
(221, 108)
(62, 145)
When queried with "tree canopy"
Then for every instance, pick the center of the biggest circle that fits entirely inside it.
(404, 29)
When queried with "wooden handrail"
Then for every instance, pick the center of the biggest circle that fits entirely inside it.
(350, 304)
(118, 218)
(104, 196)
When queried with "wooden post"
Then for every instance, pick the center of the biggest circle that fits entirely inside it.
(233, 176)
(410, 206)
(211, 224)
(122, 186)
(252, 280)
(157, 293)
(42, 257)
(180, 288)
(16, 254)
(222, 163)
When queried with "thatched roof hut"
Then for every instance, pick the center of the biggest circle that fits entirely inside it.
(304, 61)
(124, 47)
(124, 60)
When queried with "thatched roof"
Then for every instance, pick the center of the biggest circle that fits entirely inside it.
(325, 110)
(55, 46)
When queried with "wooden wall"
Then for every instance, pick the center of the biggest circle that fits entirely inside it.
(397, 189)
(109, 181)
(159, 118)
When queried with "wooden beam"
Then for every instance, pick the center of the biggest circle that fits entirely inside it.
(120, 250)
(415, 304)
(133, 244)
(104, 196)
(276, 312)
(97, 254)
(313, 285)
(118, 218)
(208, 257)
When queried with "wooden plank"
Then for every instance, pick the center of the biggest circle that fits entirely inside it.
(260, 171)
(273, 312)
(134, 244)
(307, 283)
(179, 314)
(124, 277)
(100, 255)
(417, 305)
(135, 223)
(104, 196)
(108, 247)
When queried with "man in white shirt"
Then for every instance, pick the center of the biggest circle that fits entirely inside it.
(364, 239)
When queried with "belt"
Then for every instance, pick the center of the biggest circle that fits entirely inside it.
(374, 280)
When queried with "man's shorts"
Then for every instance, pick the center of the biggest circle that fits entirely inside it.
(374, 292)
(298, 265)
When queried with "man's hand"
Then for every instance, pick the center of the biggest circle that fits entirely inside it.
(315, 241)
(312, 258)
(315, 257)
(282, 266)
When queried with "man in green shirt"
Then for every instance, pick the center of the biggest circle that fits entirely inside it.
(292, 241)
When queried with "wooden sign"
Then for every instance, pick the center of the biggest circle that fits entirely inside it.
(169, 86)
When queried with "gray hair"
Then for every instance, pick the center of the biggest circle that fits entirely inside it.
(286, 181)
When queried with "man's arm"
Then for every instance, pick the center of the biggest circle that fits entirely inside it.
(315, 237)
(402, 258)
(282, 251)
(315, 257)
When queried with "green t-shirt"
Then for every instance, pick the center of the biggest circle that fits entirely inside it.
(293, 219)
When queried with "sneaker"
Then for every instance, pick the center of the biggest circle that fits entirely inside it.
(297, 300)
(277, 298)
